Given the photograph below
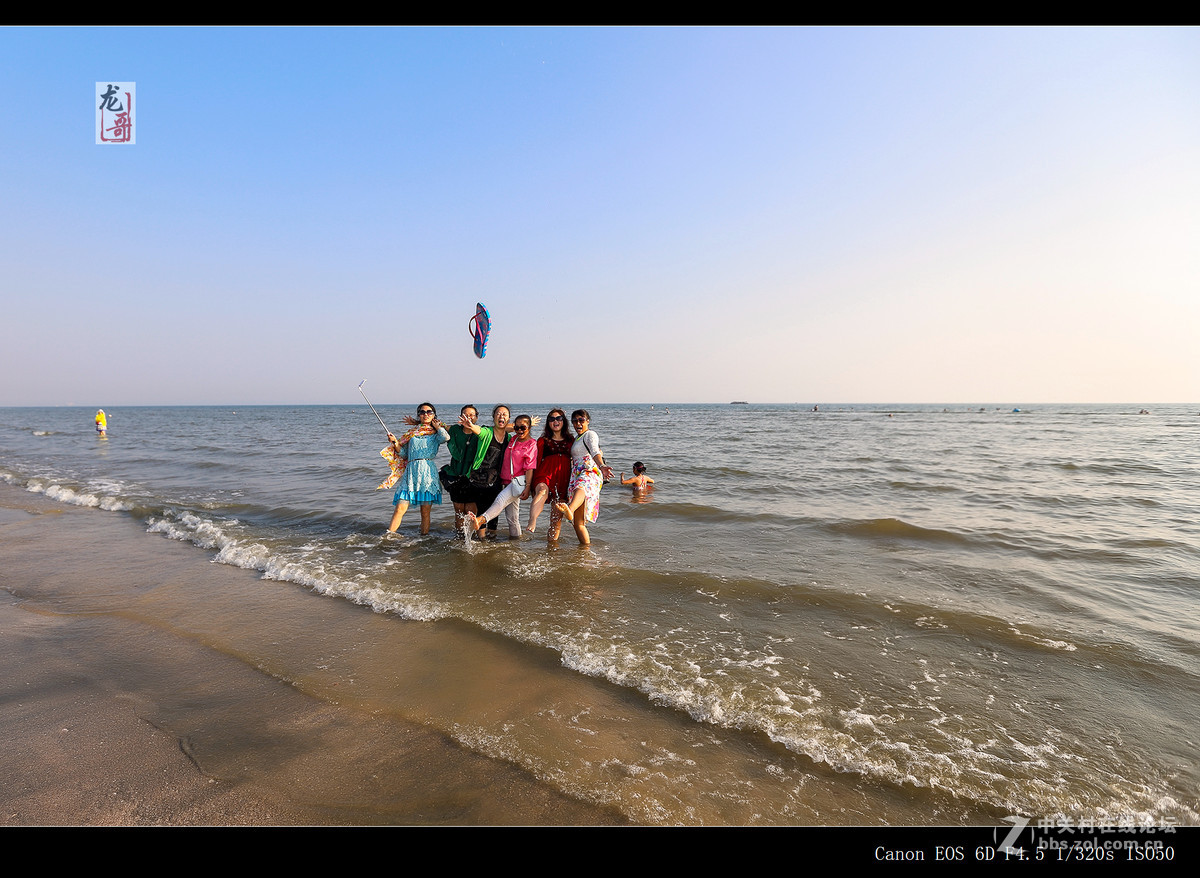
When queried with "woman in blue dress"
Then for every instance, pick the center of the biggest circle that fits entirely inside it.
(419, 481)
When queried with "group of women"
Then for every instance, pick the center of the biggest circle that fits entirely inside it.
(494, 468)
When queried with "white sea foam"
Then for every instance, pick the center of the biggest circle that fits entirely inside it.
(191, 528)
(530, 568)
(67, 495)
(63, 494)
(855, 717)
(859, 747)
(280, 565)
(1045, 641)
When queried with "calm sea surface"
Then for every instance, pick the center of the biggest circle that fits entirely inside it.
(866, 614)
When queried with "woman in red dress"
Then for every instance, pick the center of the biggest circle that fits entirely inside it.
(553, 473)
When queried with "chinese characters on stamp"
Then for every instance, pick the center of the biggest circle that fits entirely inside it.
(115, 118)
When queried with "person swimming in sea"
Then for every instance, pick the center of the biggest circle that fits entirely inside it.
(639, 480)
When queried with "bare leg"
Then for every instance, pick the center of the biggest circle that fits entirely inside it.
(426, 510)
(576, 511)
(461, 511)
(577, 501)
(540, 493)
(579, 520)
(401, 508)
(556, 519)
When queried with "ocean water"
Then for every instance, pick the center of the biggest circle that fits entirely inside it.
(899, 614)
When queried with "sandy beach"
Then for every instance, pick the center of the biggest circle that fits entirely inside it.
(127, 700)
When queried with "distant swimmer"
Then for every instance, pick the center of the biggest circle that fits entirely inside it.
(1144, 412)
(102, 424)
(639, 479)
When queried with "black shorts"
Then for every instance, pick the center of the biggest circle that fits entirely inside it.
(459, 487)
(485, 497)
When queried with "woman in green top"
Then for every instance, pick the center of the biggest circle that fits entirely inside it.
(468, 445)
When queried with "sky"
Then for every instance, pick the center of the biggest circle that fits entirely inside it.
(811, 215)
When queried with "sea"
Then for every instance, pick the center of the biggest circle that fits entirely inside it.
(833, 615)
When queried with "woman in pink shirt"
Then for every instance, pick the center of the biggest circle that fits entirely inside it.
(520, 460)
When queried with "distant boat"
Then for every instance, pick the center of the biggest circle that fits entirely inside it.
(739, 402)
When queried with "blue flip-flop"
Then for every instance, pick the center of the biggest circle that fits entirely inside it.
(483, 326)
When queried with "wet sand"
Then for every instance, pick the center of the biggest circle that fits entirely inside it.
(127, 700)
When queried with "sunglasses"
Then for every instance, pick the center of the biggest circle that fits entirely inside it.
(554, 420)
(424, 411)
(520, 428)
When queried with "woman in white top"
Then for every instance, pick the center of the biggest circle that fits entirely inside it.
(588, 473)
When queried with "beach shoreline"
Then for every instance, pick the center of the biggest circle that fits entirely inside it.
(120, 711)
(944, 619)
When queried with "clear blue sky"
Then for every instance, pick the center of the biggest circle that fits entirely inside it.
(777, 215)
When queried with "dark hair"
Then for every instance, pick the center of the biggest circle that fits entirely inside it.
(548, 433)
(463, 410)
(638, 468)
(527, 418)
(428, 404)
(583, 412)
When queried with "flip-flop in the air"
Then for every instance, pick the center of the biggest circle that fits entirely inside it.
(483, 326)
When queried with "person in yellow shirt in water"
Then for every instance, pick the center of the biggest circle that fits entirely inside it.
(102, 424)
